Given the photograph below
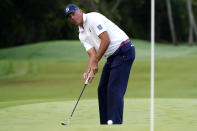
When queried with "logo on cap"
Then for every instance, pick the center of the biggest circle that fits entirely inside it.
(100, 27)
(67, 9)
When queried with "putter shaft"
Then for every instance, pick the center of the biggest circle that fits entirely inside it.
(78, 100)
(86, 83)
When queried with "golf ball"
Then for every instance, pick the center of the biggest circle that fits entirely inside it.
(109, 122)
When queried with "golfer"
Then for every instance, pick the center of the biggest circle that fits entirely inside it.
(101, 37)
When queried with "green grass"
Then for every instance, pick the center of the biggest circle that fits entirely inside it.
(60, 51)
(38, 116)
(39, 84)
(54, 50)
(60, 77)
(175, 114)
(170, 114)
(176, 77)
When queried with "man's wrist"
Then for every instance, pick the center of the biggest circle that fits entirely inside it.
(97, 58)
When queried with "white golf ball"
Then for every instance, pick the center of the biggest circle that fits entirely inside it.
(109, 122)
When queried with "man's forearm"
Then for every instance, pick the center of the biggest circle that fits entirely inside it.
(91, 61)
(103, 45)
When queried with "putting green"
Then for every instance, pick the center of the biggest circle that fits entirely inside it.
(176, 114)
(170, 114)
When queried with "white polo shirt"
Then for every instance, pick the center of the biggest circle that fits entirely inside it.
(94, 24)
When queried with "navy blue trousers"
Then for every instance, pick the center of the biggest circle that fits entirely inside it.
(113, 84)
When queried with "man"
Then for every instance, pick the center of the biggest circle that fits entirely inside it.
(101, 37)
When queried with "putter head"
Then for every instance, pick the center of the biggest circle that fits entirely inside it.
(66, 124)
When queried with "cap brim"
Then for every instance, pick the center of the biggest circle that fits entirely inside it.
(68, 13)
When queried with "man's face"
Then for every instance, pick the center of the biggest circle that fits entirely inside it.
(76, 17)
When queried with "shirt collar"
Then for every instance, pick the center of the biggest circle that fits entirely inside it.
(84, 20)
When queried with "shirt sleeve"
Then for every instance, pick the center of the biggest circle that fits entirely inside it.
(85, 44)
(98, 25)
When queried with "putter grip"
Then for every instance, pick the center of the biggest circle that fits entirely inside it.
(89, 75)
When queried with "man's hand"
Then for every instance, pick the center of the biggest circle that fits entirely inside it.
(85, 76)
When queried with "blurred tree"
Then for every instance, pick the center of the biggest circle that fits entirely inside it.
(135, 18)
(192, 23)
(107, 7)
(180, 19)
(26, 21)
(171, 22)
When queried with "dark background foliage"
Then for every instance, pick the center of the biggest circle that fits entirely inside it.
(27, 21)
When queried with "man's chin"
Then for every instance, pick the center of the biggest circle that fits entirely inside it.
(75, 23)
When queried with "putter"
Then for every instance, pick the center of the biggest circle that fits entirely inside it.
(86, 83)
